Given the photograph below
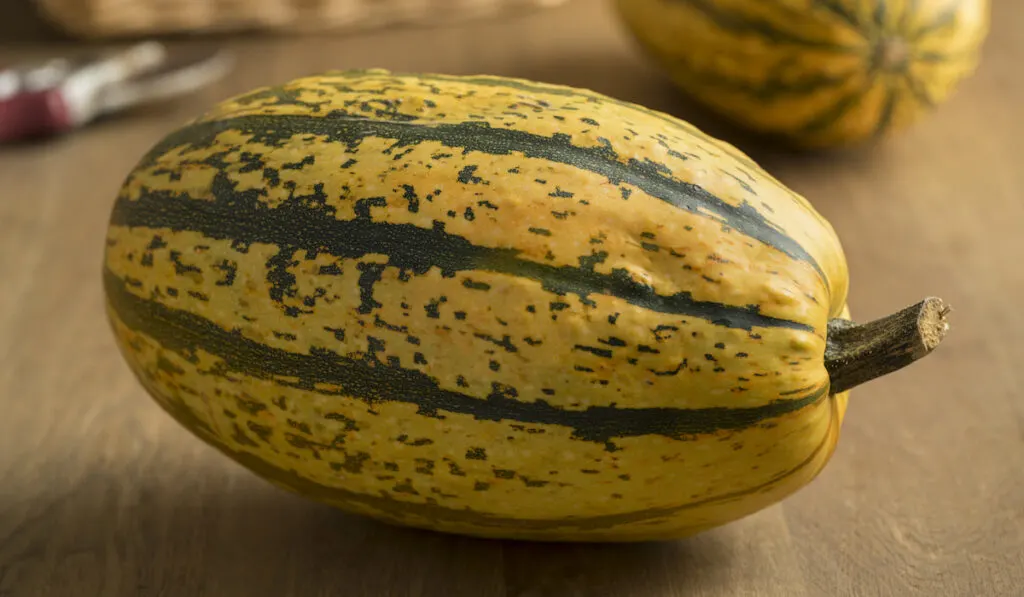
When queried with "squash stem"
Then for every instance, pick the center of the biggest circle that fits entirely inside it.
(893, 54)
(858, 353)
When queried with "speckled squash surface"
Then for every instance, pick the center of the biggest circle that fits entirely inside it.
(481, 305)
(817, 73)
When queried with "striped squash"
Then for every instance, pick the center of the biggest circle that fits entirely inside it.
(484, 306)
(816, 73)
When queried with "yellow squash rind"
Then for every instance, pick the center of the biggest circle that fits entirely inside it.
(321, 282)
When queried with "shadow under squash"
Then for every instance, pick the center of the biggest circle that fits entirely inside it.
(226, 535)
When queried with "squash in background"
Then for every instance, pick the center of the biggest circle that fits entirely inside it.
(819, 73)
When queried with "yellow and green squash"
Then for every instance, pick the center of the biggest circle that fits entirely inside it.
(816, 73)
(490, 306)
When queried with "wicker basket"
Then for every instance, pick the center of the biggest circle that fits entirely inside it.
(93, 19)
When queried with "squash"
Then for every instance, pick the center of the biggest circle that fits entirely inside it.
(490, 306)
(813, 73)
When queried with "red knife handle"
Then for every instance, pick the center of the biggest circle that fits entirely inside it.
(33, 114)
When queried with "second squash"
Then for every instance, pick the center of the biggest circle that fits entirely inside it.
(818, 73)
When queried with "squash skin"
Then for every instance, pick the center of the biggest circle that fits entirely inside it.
(814, 73)
(570, 319)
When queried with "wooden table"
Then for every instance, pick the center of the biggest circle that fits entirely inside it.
(102, 494)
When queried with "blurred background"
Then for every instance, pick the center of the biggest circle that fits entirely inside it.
(102, 494)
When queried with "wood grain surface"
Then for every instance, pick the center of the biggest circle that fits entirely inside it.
(102, 494)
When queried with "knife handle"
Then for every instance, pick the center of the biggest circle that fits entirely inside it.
(33, 114)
